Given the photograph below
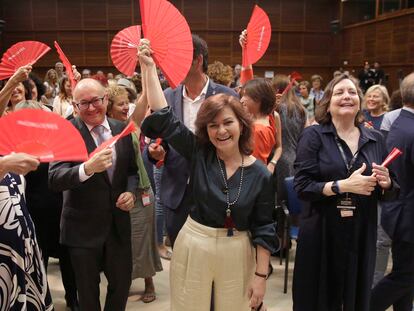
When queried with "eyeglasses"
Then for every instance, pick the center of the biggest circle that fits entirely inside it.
(95, 102)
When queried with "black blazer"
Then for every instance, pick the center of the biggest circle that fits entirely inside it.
(89, 208)
(397, 217)
(176, 169)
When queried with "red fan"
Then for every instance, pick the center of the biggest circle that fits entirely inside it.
(296, 76)
(259, 32)
(111, 142)
(43, 134)
(124, 49)
(395, 153)
(21, 54)
(67, 65)
(170, 37)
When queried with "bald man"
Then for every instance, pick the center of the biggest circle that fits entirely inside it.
(97, 197)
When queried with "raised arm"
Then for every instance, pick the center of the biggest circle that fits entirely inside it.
(19, 76)
(155, 95)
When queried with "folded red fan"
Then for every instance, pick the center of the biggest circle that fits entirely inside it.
(394, 154)
(43, 134)
(21, 54)
(112, 141)
(67, 64)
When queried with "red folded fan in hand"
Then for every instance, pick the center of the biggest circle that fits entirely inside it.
(111, 142)
(395, 153)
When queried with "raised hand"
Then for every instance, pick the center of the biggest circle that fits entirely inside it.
(99, 162)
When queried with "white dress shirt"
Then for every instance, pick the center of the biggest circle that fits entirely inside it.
(191, 107)
(107, 135)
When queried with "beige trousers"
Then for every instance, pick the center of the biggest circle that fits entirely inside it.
(203, 255)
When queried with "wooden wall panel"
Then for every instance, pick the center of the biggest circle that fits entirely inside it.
(219, 46)
(17, 14)
(242, 10)
(301, 37)
(291, 49)
(72, 44)
(120, 14)
(44, 15)
(69, 15)
(95, 14)
(220, 15)
(293, 15)
(94, 42)
(273, 10)
(196, 14)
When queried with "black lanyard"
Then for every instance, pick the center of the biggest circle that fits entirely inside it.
(341, 150)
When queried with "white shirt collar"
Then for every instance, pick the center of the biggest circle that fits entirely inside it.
(408, 109)
(203, 91)
(105, 124)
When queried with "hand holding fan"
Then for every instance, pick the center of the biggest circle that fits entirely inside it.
(21, 54)
(124, 49)
(43, 134)
(170, 38)
(111, 142)
(259, 32)
(67, 64)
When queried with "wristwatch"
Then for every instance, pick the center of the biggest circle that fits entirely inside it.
(335, 187)
(274, 162)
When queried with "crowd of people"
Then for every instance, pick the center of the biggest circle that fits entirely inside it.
(204, 173)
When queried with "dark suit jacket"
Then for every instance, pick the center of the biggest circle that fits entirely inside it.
(89, 208)
(176, 169)
(397, 217)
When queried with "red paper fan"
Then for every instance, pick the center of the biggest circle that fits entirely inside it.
(43, 134)
(395, 153)
(124, 49)
(21, 54)
(170, 37)
(259, 32)
(67, 65)
(296, 76)
(111, 142)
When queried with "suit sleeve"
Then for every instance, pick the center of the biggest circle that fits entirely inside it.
(64, 176)
(166, 125)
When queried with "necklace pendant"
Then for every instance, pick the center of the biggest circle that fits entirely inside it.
(229, 223)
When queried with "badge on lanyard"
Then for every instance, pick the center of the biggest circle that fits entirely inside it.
(146, 199)
(346, 206)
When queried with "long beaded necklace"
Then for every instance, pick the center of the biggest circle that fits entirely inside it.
(229, 223)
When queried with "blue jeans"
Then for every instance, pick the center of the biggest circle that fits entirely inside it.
(159, 207)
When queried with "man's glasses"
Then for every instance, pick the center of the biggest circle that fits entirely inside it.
(84, 104)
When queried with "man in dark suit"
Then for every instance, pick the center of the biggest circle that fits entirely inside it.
(397, 288)
(97, 197)
(185, 101)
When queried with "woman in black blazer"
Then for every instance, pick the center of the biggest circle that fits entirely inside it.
(337, 177)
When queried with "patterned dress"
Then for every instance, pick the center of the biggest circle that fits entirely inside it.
(23, 281)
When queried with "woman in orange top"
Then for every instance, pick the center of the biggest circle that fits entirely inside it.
(259, 99)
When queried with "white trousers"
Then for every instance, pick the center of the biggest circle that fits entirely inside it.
(203, 255)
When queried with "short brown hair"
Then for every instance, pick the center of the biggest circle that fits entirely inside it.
(209, 110)
(261, 91)
(322, 115)
(306, 84)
